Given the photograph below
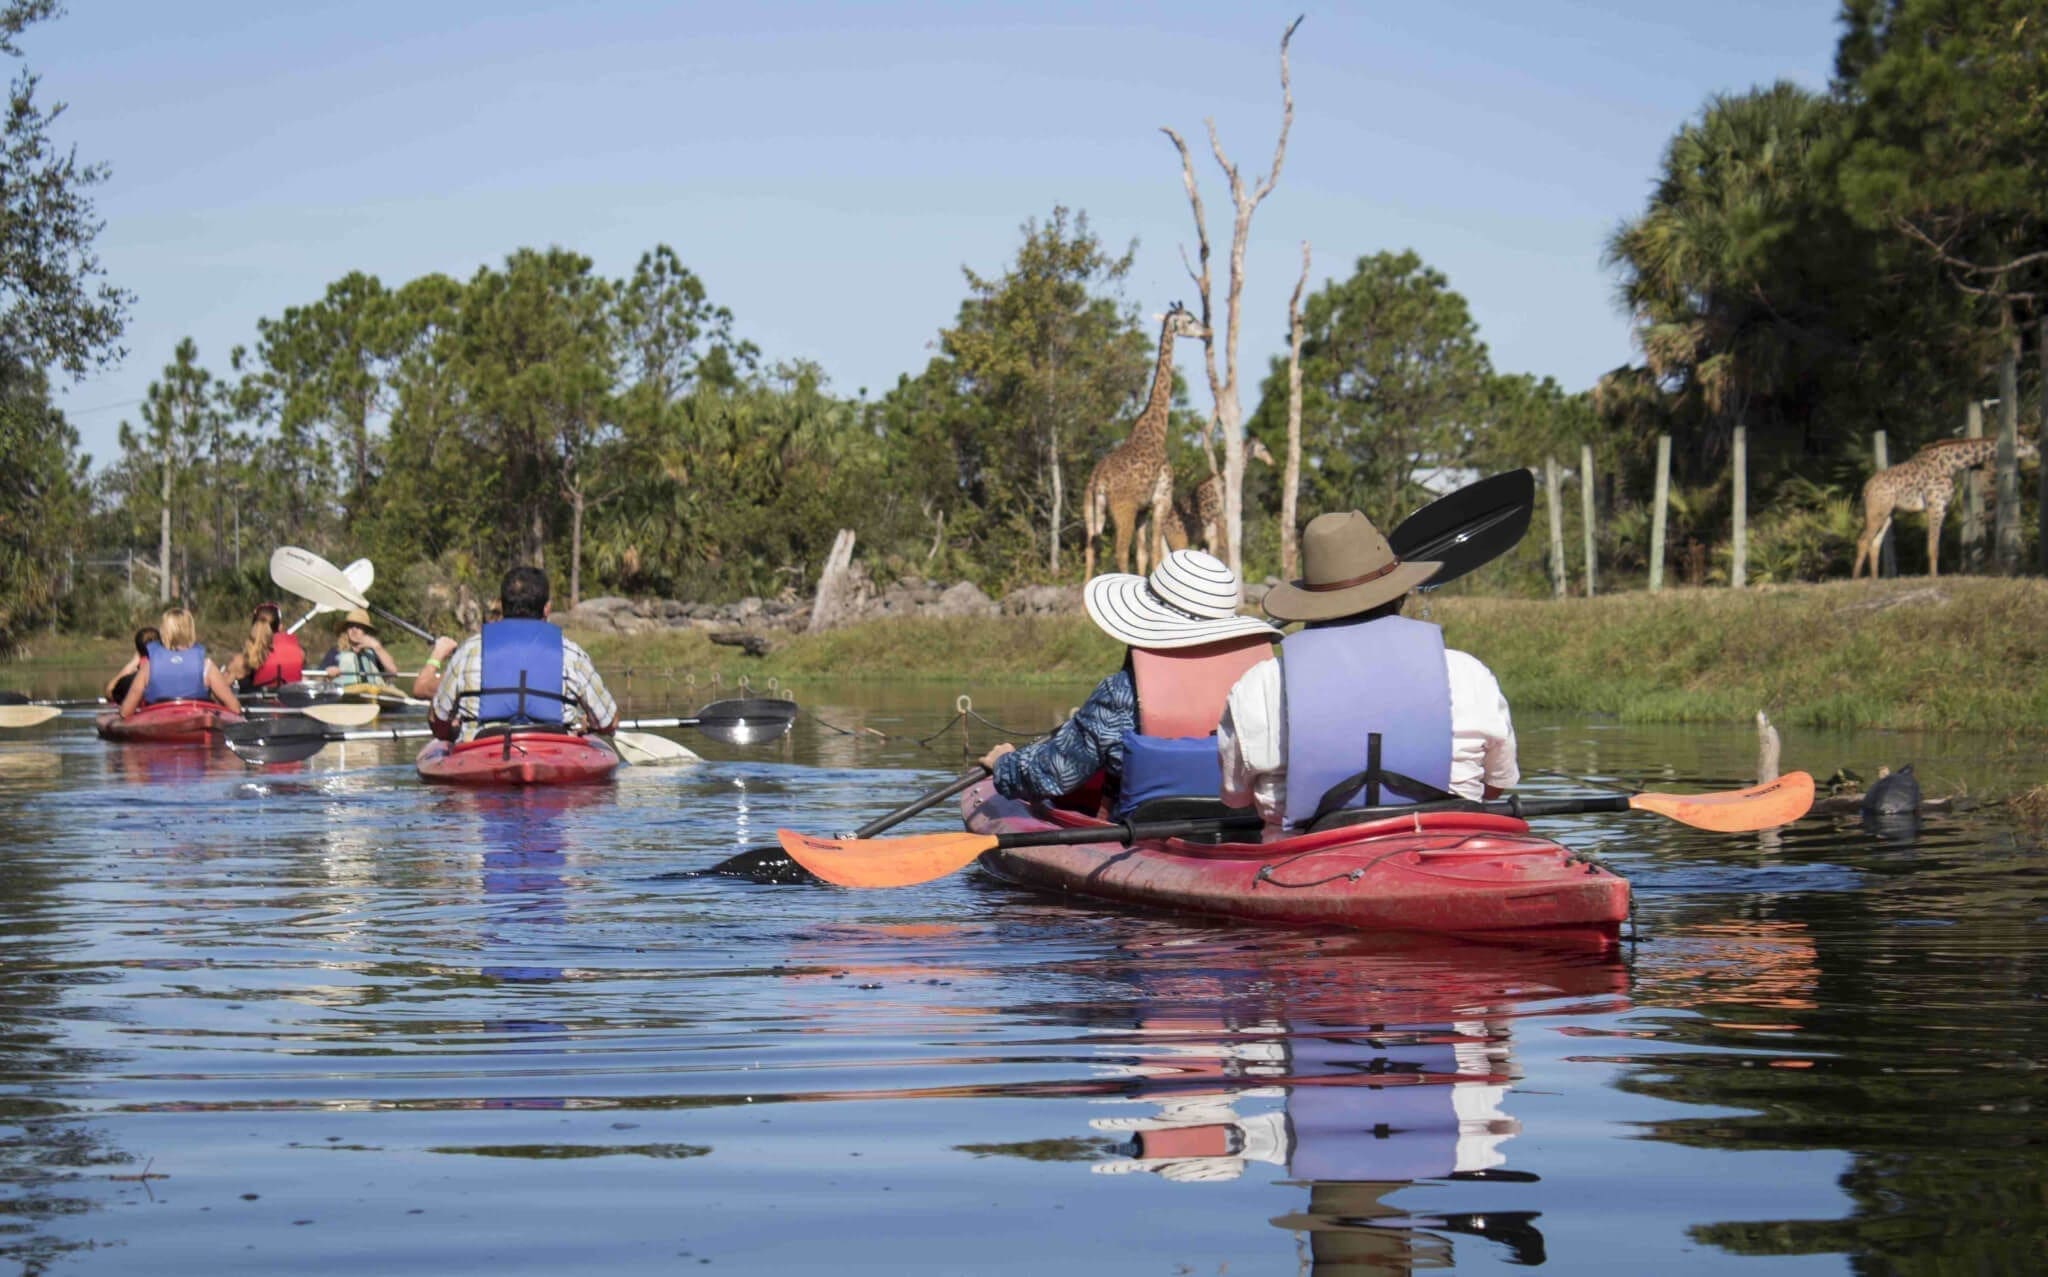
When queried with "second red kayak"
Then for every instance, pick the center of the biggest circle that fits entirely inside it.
(519, 758)
(168, 723)
(1463, 872)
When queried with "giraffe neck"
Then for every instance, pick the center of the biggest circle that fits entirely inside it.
(1151, 423)
(1976, 452)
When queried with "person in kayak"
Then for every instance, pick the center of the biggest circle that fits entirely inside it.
(358, 655)
(270, 658)
(517, 672)
(1148, 728)
(116, 690)
(175, 668)
(1364, 707)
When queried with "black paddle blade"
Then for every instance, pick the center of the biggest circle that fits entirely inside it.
(287, 738)
(13, 698)
(300, 695)
(747, 721)
(1469, 528)
(757, 864)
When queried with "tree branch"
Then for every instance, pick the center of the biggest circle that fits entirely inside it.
(1286, 115)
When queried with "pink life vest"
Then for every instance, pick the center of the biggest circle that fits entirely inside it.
(1181, 694)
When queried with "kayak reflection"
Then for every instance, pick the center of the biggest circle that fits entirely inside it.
(1363, 1071)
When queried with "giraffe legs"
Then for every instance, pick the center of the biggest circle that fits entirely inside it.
(1124, 514)
(1092, 503)
(1936, 510)
(1162, 511)
(1877, 517)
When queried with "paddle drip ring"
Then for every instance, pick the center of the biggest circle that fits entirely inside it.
(964, 704)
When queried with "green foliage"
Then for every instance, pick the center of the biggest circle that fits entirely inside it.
(43, 499)
(1948, 136)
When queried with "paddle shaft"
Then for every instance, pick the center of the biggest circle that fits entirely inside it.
(959, 786)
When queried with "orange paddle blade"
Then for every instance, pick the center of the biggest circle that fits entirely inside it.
(884, 862)
(1736, 811)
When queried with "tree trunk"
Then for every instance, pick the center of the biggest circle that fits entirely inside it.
(1738, 569)
(575, 546)
(2007, 536)
(1586, 508)
(1661, 499)
(1886, 554)
(829, 604)
(2041, 477)
(1553, 496)
(1290, 476)
(163, 536)
(1059, 493)
(1973, 495)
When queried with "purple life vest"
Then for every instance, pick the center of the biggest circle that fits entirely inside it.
(521, 653)
(175, 676)
(1346, 683)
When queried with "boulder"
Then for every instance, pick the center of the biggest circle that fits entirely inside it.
(1043, 600)
(962, 599)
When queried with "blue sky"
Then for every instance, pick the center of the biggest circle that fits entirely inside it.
(828, 168)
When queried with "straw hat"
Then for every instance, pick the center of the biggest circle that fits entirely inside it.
(356, 616)
(1189, 599)
(1347, 568)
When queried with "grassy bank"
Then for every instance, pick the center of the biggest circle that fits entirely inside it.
(1955, 654)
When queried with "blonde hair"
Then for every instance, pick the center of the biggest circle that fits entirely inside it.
(257, 649)
(179, 629)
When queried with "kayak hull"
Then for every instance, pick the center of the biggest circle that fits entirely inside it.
(1455, 872)
(525, 758)
(168, 723)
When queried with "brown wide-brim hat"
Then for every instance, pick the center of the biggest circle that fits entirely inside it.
(1347, 567)
(356, 616)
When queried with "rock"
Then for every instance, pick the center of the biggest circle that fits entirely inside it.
(604, 603)
(963, 599)
(746, 640)
(1043, 600)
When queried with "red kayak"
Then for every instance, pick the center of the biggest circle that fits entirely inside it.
(1462, 872)
(169, 723)
(519, 758)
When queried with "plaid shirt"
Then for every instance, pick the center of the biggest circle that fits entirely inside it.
(1091, 741)
(465, 673)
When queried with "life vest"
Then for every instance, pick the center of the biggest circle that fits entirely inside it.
(1368, 708)
(522, 673)
(1181, 694)
(175, 676)
(356, 667)
(285, 664)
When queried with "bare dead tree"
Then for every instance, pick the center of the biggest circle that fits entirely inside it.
(1290, 477)
(1228, 415)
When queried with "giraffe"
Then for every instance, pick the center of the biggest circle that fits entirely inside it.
(1922, 483)
(1127, 478)
(1200, 512)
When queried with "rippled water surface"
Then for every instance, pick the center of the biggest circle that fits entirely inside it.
(328, 1019)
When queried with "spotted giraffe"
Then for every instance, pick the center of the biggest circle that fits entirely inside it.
(1127, 479)
(1924, 482)
(1199, 512)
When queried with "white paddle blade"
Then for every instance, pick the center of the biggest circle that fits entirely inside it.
(314, 579)
(347, 714)
(645, 749)
(27, 715)
(362, 574)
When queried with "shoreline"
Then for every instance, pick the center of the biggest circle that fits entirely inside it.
(1954, 654)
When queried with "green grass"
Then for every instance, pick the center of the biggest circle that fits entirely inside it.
(1963, 653)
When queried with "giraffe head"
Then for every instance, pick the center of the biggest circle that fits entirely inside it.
(1257, 451)
(1181, 322)
(2026, 450)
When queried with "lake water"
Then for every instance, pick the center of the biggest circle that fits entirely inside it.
(329, 1020)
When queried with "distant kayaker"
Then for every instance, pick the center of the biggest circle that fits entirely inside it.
(117, 686)
(175, 668)
(1364, 707)
(270, 658)
(517, 672)
(358, 655)
(1148, 728)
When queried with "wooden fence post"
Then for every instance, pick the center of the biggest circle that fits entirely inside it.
(1658, 503)
(1973, 495)
(1887, 558)
(1553, 489)
(2041, 476)
(1586, 507)
(1738, 571)
(2006, 537)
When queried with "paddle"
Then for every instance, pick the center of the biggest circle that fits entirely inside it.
(361, 574)
(20, 698)
(311, 577)
(903, 862)
(772, 864)
(1469, 528)
(357, 715)
(291, 738)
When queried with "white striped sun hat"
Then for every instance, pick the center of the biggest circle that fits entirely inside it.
(1189, 599)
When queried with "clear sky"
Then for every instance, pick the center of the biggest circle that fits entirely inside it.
(828, 168)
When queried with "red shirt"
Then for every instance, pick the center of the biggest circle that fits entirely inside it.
(285, 664)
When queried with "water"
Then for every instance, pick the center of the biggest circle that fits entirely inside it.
(326, 1019)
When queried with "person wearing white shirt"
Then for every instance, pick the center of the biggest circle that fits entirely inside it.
(1365, 707)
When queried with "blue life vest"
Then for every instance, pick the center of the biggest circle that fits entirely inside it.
(521, 653)
(1181, 694)
(1346, 684)
(175, 676)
